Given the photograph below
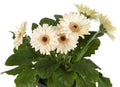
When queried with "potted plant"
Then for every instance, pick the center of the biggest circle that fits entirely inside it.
(58, 52)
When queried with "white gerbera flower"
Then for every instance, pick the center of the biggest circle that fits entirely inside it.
(67, 42)
(107, 25)
(75, 23)
(19, 35)
(44, 39)
(92, 14)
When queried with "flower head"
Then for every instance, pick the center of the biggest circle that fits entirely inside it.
(19, 35)
(92, 14)
(75, 23)
(109, 28)
(44, 39)
(67, 42)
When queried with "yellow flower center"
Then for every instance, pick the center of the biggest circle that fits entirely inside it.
(62, 39)
(44, 39)
(74, 27)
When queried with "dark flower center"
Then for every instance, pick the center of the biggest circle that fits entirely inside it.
(74, 27)
(44, 39)
(62, 39)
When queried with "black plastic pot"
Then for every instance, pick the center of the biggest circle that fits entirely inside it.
(41, 85)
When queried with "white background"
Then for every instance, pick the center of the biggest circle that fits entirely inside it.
(14, 12)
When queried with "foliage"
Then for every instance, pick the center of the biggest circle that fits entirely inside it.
(58, 70)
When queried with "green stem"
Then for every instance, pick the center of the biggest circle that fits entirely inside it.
(85, 48)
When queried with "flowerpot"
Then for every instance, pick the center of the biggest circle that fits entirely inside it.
(41, 85)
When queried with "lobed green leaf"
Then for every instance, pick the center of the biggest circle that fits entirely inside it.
(48, 21)
(57, 17)
(83, 49)
(26, 78)
(103, 81)
(45, 67)
(15, 71)
(28, 55)
(34, 26)
(87, 69)
(92, 47)
(61, 78)
(82, 82)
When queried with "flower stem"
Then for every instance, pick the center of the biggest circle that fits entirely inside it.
(85, 48)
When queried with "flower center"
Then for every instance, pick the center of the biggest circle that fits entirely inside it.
(62, 39)
(19, 35)
(44, 39)
(74, 27)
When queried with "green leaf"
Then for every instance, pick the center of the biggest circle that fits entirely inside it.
(26, 78)
(92, 47)
(95, 43)
(45, 67)
(87, 69)
(93, 32)
(103, 81)
(57, 17)
(23, 56)
(48, 21)
(26, 40)
(15, 71)
(13, 34)
(86, 46)
(34, 26)
(82, 82)
(102, 29)
(61, 78)
(81, 45)
(82, 41)
(50, 82)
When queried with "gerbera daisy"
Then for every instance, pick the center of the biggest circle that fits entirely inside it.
(67, 42)
(92, 14)
(75, 23)
(109, 28)
(19, 35)
(44, 39)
